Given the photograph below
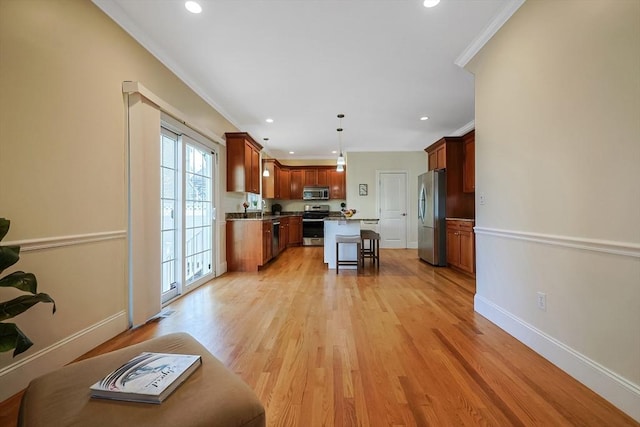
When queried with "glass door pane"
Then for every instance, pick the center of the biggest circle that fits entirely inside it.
(169, 209)
(198, 182)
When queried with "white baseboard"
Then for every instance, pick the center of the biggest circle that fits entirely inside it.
(16, 377)
(612, 387)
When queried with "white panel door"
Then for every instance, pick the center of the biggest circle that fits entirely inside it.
(392, 202)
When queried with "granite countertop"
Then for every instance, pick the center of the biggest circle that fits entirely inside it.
(256, 216)
(461, 219)
(342, 218)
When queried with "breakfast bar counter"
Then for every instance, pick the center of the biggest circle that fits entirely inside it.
(335, 225)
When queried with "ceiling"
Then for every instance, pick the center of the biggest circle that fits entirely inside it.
(382, 63)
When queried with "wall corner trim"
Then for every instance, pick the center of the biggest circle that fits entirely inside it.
(616, 389)
(129, 87)
(485, 35)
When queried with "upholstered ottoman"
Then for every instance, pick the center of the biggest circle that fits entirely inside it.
(211, 396)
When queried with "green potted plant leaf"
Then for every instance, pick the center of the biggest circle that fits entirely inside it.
(11, 337)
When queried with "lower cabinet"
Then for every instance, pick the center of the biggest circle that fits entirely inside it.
(461, 245)
(295, 231)
(250, 241)
(267, 242)
(284, 234)
(248, 244)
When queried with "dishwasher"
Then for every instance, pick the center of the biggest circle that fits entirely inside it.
(275, 242)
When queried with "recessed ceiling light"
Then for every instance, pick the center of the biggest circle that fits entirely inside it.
(424, 118)
(292, 152)
(334, 152)
(269, 120)
(430, 3)
(193, 7)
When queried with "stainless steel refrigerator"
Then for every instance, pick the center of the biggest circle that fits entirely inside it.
(432, 233)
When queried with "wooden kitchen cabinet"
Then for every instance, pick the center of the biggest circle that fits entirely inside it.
(267, 241)
(469, 162)
(295, 231)
(461, 245)
(316, 176)
(337, 184)
(248, 244)
(285, 184)
(323, 177)
(310, 177)
(243, 163)
(438, 157)
(447, 153)
(284, 233)
(297, 183)
(271, 188)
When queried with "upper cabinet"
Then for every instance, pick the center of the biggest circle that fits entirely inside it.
(448, 153)
(316, 175)
(337, 184)
(243, 163)
(323, 176)
(437, 156)
(285, 182)
(469, 162)
(310, 177)
(271, 188)
(297, 182)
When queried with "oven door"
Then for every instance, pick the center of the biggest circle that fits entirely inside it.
(313, 232)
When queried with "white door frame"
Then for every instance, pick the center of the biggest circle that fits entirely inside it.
(406, 199)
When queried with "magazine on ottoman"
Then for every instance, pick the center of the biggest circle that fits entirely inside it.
(148, 377)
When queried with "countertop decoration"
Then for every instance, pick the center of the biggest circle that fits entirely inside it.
(245, 205)
(348, 213)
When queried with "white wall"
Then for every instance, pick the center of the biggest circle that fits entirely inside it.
(362, 167)
(557, 159)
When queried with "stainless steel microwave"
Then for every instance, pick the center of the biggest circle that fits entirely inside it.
(315, 193)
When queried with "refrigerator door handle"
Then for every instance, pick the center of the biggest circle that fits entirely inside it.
(421, 204)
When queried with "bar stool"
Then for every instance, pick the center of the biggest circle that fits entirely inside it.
(341, 238)
(370, 246)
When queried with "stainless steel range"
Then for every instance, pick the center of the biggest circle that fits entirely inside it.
(313, 224)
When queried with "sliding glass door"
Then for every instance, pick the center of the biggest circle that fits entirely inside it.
(187, 171)
(198, 213)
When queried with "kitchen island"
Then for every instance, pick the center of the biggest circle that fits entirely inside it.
(254, 240)
(335, 225)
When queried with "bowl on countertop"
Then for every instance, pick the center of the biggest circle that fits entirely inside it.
(348, 213)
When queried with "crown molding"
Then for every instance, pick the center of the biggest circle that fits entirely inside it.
(464, 129)
(488, 32)
(119, 16)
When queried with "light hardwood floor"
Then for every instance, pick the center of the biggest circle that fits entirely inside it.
(398, 347)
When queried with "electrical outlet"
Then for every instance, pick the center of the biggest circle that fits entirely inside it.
(482, 200)
(542, 301)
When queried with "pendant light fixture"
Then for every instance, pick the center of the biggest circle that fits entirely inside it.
(341, 161)
(265, 172)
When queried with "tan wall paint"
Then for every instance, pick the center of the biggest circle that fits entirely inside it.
(362, 167)
(63, 152)
(557, 153)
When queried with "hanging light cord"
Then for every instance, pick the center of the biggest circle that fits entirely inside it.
(340, 162)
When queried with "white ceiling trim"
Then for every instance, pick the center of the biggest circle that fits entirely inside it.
(465, 129)
(486, 34)
(121, 19)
